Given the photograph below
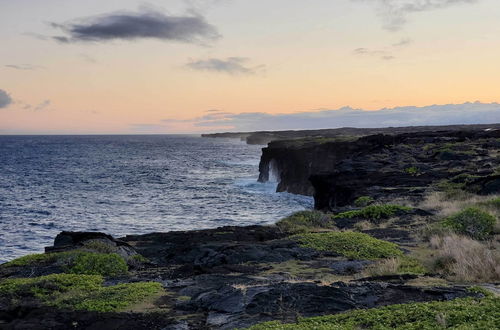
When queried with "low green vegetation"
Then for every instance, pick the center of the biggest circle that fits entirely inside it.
(305, 221)
(78, 292)
(349, 244)
(99, 264)
(374, 212)
(76, 262)
(472, 222)
(363, 201)
(465, 313)
(413, 171)
(33, 259)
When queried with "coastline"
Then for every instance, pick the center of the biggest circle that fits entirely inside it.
(370, 246)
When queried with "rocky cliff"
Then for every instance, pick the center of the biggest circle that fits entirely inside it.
(338, 170)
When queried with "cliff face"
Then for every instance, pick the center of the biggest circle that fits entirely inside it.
(338, 172)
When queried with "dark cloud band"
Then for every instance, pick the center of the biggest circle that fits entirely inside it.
(140, 25)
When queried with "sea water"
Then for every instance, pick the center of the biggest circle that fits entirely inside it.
(129, 185)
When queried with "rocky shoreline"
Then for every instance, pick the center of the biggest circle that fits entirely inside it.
(390, 208)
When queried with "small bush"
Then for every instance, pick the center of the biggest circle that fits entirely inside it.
(374, 212)
(305, 221)
(464, 313)
(466, 260)
(349, 244)
(472, 222)
(78, 292)
(99, 264)
(363, 201)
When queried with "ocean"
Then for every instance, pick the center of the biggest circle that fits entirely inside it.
(129, 185)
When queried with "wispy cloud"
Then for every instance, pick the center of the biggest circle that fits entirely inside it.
(23, 66)
(42, 106)
(382, 54)
(230, 65)
(144, 24)
(403, 42)
(5, 99)
(395, 12)
(467, 113)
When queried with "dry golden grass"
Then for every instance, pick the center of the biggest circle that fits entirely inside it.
(465, 260)
(445, 206)
(384, 267)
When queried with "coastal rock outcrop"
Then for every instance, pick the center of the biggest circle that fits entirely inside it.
(336, 172)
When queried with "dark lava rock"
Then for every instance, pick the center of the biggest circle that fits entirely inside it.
(45, 318)
(67, 240)
(232, 307)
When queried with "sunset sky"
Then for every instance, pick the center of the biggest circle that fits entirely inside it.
(124, 66)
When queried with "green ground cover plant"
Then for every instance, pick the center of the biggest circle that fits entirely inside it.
(350, 244)
(464, 313)
(78, 292)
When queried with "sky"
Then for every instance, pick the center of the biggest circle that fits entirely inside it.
(173, 66)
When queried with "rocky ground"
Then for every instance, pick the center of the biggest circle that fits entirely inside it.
(372, 246)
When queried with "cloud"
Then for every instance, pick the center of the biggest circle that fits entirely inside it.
(467, 113)
(41, 106)
(403, 42)
(395, 12)
(382, 54)
(144, 24)
(5, 99)
(230, 65)
(23, 66)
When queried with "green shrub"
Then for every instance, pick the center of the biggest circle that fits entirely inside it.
(363, 201)
(99, 264)
(464, 313)
(374, 212)
(305, 221)
(76, 262)
(472, 222)
(78, 292)
(349, 244)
